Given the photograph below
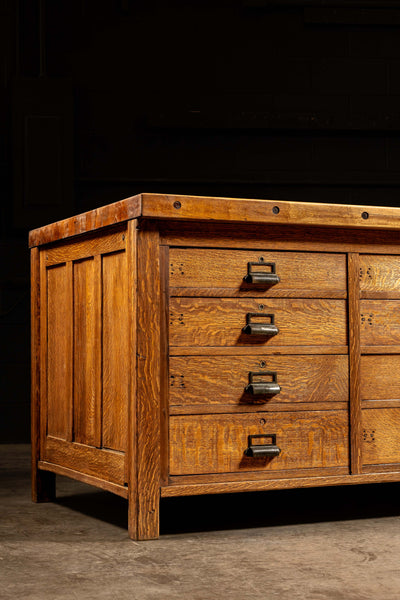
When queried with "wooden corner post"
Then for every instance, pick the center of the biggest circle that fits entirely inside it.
(43, 482)
(144, 444)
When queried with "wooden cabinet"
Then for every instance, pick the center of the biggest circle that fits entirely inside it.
(185, 345)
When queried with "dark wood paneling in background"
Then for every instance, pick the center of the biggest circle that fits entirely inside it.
(310, 116)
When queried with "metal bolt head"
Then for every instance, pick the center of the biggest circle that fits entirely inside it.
(177, 204)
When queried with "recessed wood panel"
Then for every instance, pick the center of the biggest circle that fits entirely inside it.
(219, 322)
(216, 443)
(216, 272)
(115, 351)
(205, 381)
(59, 352)
(380, 322)
(381, 436)
(87, 368)
(379, 276)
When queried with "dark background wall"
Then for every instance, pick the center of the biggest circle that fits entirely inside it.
(102, 99)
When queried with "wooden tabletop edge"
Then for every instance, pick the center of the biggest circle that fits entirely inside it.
(224, 210)
(112, 214)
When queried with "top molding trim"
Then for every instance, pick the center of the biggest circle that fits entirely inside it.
(222, 210)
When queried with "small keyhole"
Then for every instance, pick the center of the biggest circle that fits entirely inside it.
(262, 421)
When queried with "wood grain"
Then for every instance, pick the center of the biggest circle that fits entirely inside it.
(380, 322)
(210, 381)
(219, 322)
(87, 352)
(96, 219)
(100, 463)
(276, 484)
(216, 443)
(148, 385)
(380, 377)
(131, 455)
(43, 483)
(215, 272)
(379, 276)
(51, 469)
(354, 362)
(59, 352)
(381, 435)
(164, 206)
(86, 247)
(278, 237)
(116, 351)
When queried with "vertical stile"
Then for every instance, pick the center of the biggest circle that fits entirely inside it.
(148, 383)
(130, 463)
(98, 356)
(164, 363)
(354, 362)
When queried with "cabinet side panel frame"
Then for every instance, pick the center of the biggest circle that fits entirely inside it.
(43, 482)
(354, 362)
(131, 461)
(148, 384)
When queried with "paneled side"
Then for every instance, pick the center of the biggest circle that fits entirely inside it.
(115, 351)
(59, 352)
(86, 353)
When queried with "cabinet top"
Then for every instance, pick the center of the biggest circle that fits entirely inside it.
(223, 210)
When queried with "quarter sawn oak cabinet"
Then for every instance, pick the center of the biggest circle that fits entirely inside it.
(185, 345)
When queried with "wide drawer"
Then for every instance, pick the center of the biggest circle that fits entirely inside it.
(380, 377)
(380, 322)
(219, 322)
(217, 443)
(379, 276)
(196, 271)
(213, 380)
(381, 436)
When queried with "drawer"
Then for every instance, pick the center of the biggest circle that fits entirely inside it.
(205, 272)
(380, 377)
(217, 443)
(379, 276)
(381, 436)
(219, 322)
(214, 380)
(380, 322)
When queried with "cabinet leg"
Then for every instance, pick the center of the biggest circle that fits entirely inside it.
(143, 524)
(43, 485)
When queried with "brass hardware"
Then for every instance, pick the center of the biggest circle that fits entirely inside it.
(262, 450)
(268, 329)
(265, 278)
(263, 388)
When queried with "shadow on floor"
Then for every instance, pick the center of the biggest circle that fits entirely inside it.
(249, 510)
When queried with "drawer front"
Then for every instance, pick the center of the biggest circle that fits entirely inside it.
(217, 443)
(380, 276)
(380, 322)
(380, 377)
(208, 381)
(222, 272)
(381, 436)
(219, 322)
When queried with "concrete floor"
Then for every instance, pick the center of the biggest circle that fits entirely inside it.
(322, 544)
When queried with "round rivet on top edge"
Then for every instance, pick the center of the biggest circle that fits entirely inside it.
(177, 204)
(275, 210)
(365, 215)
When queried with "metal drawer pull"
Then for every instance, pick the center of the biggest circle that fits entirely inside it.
(263, 388)
(262, 450)
(269, 329)
(261, 277)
